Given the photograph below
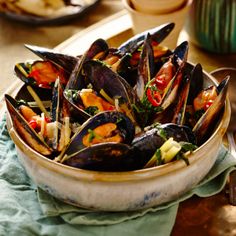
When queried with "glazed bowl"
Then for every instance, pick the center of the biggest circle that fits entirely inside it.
(121, 191)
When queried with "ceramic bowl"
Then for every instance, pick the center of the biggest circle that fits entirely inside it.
(212, 26)
(121, 191)
(157, 6)
(143, 21)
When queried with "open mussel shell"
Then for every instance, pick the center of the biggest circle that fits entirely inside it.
(77, 80)
(103, 78)
(127, 50)
(123, 123)
(40, 73)
(23, 128)
(145, 67)
(191, 85)
(158, 34)
(180, 106)
(180, 53)
(208, 120)
(145, 144)
(58, 114)
(104, 157)
(196, 83)
(179, 60)
(63, 61)
(97, 50)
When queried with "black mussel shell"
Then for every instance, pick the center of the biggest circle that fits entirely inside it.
(23, 128)
(104, 157)
(103, 78)
(147, 143)
(158, 34)
(196, 83)
(205, 125)
(64, 61)
(77, 80)
(124, 125)
(145, 67)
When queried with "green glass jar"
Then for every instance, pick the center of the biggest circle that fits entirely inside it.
(212, 25)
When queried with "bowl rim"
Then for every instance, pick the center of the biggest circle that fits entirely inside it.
(178, 11)
(140, 174)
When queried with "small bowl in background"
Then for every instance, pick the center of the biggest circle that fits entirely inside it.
(157, 6)
(143, 21)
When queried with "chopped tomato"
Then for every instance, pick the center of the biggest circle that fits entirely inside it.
(33, 124)
(47, 119)
(205, 99)
(45, 73)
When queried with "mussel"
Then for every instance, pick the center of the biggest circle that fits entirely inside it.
(77, 80)
(130, 51)
(41, 74)
(118, 109)
(146, 144)
(109, 84)
(112, 126)
(212, 107)
(24, 129)
(158, 34)
(65, 62)
(102, 143)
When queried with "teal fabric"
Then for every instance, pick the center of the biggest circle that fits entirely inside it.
(27, 210)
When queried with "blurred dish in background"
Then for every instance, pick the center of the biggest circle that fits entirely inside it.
(211, 25)
(144, 21)
(157, 6)
(44, 11)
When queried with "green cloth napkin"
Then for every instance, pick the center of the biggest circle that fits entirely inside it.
(27, 210)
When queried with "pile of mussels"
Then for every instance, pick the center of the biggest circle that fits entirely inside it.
(116, 109)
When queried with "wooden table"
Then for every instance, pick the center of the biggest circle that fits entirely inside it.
(196, 216)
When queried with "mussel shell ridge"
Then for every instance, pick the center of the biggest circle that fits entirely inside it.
(104, 157)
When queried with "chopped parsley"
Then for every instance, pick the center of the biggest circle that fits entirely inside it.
(92, 135)
(91, 110)
(158, 157)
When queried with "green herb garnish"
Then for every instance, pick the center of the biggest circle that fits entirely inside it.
(186, 146)
(91, 110)
(158, 157)
(92, 135)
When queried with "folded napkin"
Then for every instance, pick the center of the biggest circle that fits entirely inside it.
(27, 210)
